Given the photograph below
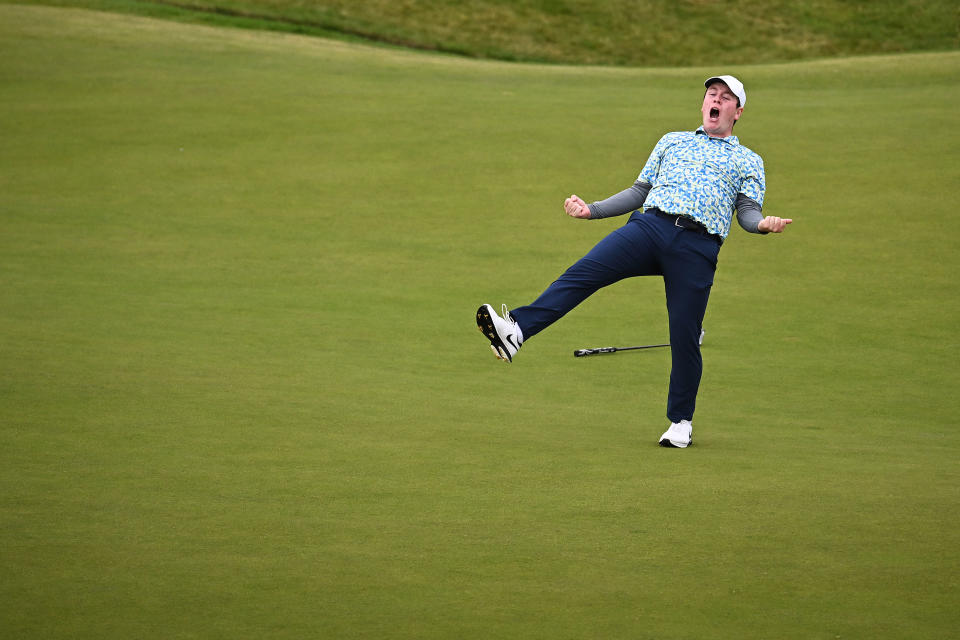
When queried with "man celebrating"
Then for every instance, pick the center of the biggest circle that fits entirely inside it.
(682, 204)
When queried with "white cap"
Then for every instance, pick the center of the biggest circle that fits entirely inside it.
(735, 86)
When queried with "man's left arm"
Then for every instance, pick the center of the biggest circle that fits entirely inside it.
(773, 224)
(751, 218)
(750, 199)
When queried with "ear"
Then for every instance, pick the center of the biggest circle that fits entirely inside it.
(738, 113)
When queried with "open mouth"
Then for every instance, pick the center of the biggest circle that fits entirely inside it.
(714, 113)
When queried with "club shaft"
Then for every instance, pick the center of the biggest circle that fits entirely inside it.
(645, 346)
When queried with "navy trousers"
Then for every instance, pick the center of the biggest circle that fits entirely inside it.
(647, 245)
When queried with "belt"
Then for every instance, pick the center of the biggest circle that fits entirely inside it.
(687, 223)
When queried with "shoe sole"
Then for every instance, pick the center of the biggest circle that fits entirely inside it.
(485, 325)
(673, 445)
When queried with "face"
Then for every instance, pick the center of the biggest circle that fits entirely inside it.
(719, 110)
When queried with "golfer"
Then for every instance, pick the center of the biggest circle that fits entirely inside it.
(682, 204)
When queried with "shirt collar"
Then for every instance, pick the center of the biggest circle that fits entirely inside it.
(734, 140)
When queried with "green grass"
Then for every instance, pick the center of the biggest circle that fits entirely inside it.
(661, 33)
(242, 394)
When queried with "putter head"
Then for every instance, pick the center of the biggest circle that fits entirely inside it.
(579, 353)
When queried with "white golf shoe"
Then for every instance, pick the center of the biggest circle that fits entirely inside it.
(503, 333)
(679, 435)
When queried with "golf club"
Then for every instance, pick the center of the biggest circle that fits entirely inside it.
(589, 352)
(579, 353)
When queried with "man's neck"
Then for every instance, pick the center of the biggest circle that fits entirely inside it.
(715, 135)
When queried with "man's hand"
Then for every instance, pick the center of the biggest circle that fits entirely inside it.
(773, 224)
(576, 208)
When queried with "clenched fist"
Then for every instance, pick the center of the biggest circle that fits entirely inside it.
(576, 208)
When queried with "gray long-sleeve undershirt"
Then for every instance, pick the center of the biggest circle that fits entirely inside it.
(749, 213)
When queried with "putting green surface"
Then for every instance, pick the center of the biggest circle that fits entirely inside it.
(242, 393)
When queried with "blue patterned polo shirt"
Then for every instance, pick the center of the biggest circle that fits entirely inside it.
(698, 176)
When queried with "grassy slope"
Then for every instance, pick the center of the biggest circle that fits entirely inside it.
(241, 394)
(618, 32)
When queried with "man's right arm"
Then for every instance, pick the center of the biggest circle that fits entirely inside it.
(618, 204)
(629, 199)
